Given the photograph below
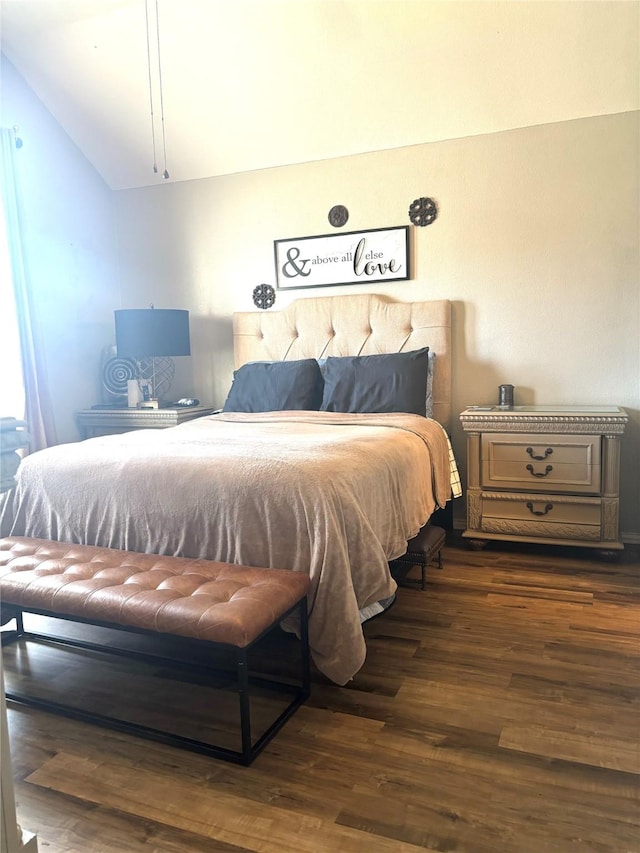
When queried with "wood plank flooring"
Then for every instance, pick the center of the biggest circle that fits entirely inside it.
(498, 712)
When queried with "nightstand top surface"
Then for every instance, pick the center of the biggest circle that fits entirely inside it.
(134, 410)
(101, 421)
(550, 410)
(552, 418)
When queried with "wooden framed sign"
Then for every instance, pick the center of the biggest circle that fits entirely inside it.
(356, 257)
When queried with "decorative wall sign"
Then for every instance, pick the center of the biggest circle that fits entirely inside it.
(355, 257)
(422, 211)
(264, 296)
(338, 215)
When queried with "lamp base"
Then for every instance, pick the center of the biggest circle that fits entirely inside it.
(158, 373)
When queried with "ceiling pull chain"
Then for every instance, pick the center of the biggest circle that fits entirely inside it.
(153, 130)
(165, 174)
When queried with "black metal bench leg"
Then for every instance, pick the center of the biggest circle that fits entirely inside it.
(11, 636)
(247, 752)
(245, 706)
(305, 657)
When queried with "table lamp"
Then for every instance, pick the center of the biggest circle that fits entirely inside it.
(151, 336)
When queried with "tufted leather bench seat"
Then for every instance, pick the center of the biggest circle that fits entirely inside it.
(226, 606)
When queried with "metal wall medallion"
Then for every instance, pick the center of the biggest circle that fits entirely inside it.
(422, 211)
(338, 215)
(264, 296)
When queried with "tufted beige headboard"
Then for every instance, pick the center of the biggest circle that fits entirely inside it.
(359, 324)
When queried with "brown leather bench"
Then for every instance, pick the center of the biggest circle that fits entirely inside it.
(220, 606)
(423, 550)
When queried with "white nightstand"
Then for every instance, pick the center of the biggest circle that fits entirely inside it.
(545, 474)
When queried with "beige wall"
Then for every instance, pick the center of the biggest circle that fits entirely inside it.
(536, 244)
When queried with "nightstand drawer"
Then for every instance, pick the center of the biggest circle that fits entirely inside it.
(529, 461)
(548, 516)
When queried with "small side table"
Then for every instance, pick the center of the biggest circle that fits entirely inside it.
(423, 550)
(95, 422)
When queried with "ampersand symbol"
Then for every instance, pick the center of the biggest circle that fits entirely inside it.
(291, 262)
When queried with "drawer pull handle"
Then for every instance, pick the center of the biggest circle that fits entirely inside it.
(532, 454)
(539, 511)
(544, 473)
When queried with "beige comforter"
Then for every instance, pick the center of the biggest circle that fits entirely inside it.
(336, 496)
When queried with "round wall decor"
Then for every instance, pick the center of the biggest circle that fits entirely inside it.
(338, 215)
(116, 372)
(264, 296)
(422, 211)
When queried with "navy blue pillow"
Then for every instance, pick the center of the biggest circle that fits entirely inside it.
(275, 386)
(394, 382)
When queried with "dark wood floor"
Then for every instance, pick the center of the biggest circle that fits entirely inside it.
(498, 711)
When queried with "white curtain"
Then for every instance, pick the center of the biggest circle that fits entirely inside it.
(11, 382)
(23, 382)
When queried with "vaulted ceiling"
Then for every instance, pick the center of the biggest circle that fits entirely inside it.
(251, 84)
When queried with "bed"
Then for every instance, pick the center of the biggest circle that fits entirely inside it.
(321, 490)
